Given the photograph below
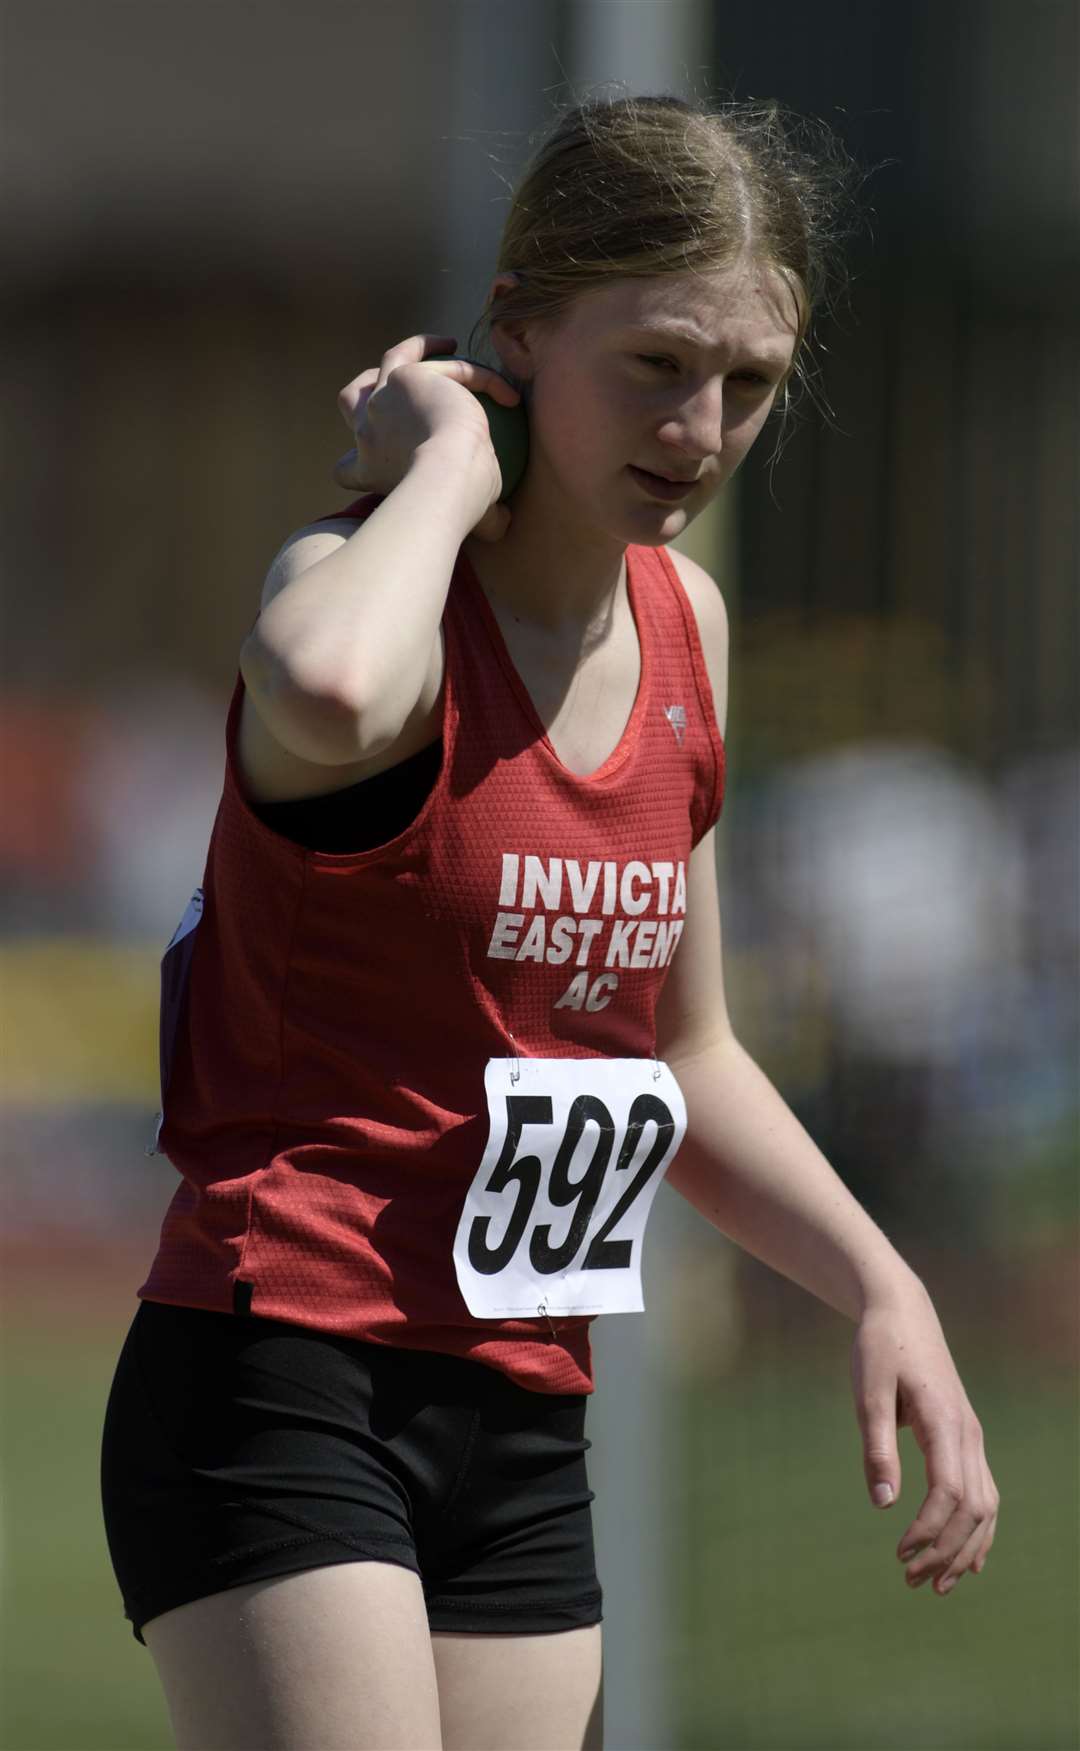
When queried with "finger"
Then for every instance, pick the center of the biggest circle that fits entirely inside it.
(413, 352)
(946, 1494)
(918, 1545)
(961, 1562)
(960, 1536)
(990, 1528)
(481, 379)
(979, 1563)
(349, 398)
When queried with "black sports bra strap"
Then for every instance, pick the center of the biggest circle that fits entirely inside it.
(362, 816)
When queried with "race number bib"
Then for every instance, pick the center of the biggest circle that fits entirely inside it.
(555, 1219)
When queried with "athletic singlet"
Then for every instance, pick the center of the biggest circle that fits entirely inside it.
(327, 1019)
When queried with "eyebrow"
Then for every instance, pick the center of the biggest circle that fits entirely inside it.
(692, 336)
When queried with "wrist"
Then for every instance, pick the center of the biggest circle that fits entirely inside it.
(888, 1284)
(462, 467)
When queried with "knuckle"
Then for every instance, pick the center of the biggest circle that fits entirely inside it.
(950, 1423)
(879, 1444)
(348, 393)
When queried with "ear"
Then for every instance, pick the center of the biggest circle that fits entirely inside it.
(513, 340)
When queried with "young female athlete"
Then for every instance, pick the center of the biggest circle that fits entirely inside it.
(451, 993)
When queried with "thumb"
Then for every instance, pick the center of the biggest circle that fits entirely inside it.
(875, 1385)
(881, 1458)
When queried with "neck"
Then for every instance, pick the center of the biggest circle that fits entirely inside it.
(548, 570)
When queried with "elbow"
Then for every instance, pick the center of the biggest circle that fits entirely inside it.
(315, 718)
(701, 1046)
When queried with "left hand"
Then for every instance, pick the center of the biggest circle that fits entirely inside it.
(902, 1373)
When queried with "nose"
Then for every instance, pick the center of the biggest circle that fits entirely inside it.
(696, 426)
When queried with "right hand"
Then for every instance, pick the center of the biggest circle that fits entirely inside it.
(405, 402)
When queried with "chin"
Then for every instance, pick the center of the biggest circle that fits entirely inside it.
(657, 529)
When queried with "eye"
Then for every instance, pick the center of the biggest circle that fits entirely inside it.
(754, 380)
(659, 361)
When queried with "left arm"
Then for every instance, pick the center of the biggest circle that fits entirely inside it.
(752, 1171)
(750, 1168)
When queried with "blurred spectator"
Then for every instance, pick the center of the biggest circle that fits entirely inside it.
(910, 880)
(907, 936)
(108, 807)
(42, 743)
(148, 785)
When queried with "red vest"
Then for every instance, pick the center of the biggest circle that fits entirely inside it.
(326, 1024)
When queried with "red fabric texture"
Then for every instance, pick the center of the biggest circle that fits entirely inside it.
(325, 1100)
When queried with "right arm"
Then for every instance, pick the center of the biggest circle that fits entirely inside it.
(340, 653)
(347, 643)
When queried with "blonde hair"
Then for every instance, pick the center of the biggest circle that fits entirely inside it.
(638, 186)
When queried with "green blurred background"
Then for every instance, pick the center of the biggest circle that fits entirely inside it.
(218, 214)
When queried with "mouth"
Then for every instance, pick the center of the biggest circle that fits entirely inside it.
(660, 486)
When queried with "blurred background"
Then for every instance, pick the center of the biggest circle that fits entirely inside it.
(216, 214)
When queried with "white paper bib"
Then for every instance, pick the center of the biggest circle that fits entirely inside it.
(555, 1219)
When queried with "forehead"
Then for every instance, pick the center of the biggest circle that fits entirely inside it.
(720, 309)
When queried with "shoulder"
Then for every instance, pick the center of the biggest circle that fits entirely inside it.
(305, 547)
(712, 624)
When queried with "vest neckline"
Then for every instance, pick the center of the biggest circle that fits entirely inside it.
(627, 740)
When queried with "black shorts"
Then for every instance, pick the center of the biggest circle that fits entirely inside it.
(237, 1448)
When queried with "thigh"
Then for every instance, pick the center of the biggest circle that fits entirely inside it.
(512, 1551)
(336, 1658)
(238, 1450)
(520, 1692)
